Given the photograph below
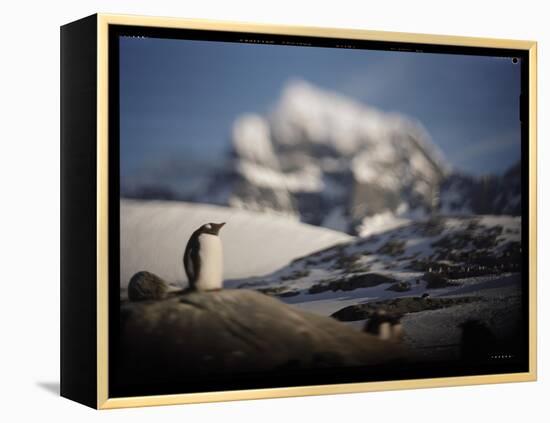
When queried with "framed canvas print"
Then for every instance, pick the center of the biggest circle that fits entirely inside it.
(254, 211)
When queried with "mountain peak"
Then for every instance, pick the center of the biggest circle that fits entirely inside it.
(334, 161)
(308, 113)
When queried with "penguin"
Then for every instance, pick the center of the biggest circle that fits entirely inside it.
(387, 326)
(203, 258)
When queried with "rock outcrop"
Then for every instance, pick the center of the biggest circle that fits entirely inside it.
(146, 286)
(236, 331)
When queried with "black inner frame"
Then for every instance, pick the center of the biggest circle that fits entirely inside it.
(118, 387)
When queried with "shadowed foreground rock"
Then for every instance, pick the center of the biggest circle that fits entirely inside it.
(238, 331)
(400, 306)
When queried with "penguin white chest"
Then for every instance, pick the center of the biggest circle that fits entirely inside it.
(211, 259)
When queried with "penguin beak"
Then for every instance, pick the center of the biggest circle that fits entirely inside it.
(219, 226)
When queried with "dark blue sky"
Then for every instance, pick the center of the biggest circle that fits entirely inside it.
(178, 98)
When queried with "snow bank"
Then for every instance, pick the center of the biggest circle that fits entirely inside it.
(153, 236)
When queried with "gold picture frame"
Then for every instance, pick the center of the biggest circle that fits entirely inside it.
(102, 398)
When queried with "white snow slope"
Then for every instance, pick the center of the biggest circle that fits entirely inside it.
(153, 236)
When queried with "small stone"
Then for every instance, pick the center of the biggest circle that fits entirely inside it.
(400, 287)
(436, 281)
(146, 286)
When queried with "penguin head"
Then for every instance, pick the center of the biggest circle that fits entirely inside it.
(211, 228)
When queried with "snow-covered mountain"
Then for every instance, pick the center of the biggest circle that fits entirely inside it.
(492, 194)
(329, 160)
(441, 255)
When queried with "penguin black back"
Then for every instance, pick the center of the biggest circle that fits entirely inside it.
(191, 259)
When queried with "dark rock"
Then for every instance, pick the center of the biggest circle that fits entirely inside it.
(279, 291)
(399, 306)
(400, 287)
(475, 235)
(347, 262)
(146, 286)
(286, 294)
(435, 281)
(392, 248)
(233, 331)
(297, 274)
(429, 228)
(366, 280)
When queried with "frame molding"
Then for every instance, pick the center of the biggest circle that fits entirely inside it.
(103, 22)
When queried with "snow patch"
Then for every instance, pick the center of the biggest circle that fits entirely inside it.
(307, 179)
(381, 222)
(251, 140)
(153, 236)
